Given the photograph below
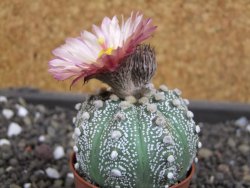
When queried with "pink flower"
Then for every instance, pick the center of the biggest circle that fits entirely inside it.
(100, 51)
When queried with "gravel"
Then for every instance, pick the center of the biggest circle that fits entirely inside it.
(38, 155)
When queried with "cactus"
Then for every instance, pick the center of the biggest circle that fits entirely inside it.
(131, 135)
(150, 142)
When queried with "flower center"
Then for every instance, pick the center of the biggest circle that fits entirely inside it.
(105, 49)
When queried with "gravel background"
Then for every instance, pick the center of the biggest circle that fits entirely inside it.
(29, 160)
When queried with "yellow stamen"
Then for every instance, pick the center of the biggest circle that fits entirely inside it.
(107, 51)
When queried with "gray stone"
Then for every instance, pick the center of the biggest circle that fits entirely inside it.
(223, 168)
(246, 178)
(13, 162)
(241, 122)
(205, 153)
(57, 183)
(245, 149)
(231, 143)
(14, 186)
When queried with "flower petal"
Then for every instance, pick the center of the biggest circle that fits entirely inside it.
(102, 50)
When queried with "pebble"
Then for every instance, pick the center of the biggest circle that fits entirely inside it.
(69, 179)
(14, 129)
(41, 138)
(43, 151)
(70, 175)
(13, 162)
(211, 180)
(9, 168)
(22, 111)
(246, 178)
(14, 186)
(58, 183)
(231, 142)
(4, 141)
(246, 169)
(27, 185)
(245, 149)
(3, 99)
(248, 128)
(223, 168)
(58, 152)
(52, 173)
(205, 153)
(219, 176)
(241, 122)
(7, 113)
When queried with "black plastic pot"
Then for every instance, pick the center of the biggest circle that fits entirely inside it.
(204, 111)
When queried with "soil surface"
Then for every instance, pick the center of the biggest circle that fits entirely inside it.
(36, 142)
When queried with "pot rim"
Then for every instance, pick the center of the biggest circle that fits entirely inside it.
(82, 180)
(76, 175)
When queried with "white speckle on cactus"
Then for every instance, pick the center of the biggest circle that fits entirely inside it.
(190, 114)
(176, 102)
(8, 113)
(199, 144)
(124, 105)
(77, 131)
(76, 165)
(170, 158)
(166, 186)
(177, 91)
(197, 129)
(98, 103)
(114, 97)
(164, 88)
(186, 102)
(196, 160)
(114, 155)
(117, 186)
(160, 121)
(167, 140)
(131, 99)
(151, 108)
(116, 134)
(78, 106)
(116, 172)
(159, 96)
(143, 100)
(73, 120)
(120, 116)
(170, 175)
(75, 148)
(73, 136)
(85, 115)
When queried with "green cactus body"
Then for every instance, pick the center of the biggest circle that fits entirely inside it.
(151, 142)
